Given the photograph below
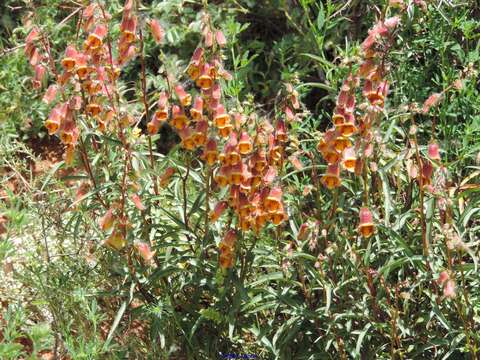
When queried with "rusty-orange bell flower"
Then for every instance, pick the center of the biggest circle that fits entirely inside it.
(273, 200)
(55, 119)
(218, 210)
(68, 62)
(245, 144)
(221, 118)
(179, 119)
(349, 160)
(225, 131)
(186, 134)
(221, 177)
(197, 110)
(236, 174)
(210, 153)
(205, 81)
(366, 226)
(184, 97)
(232, 156)
(331, 179)
(278, 216)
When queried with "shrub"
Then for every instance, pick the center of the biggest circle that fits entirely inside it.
(206, 212)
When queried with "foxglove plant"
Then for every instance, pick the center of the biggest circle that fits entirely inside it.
(240, 156)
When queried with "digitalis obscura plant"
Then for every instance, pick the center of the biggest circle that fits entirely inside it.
(242, 154)
(350, 142)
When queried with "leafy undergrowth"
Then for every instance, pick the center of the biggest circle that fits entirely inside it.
(185, 180)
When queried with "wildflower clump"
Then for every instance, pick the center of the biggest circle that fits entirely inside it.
(244, 157)
(349, 143)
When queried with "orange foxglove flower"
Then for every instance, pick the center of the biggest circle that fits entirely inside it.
(81, 65)
(245, 144)
(427, 172)
(278, 216)
(93, 109)
(347, 128)
(161, 114)
(221, 177)
(69, 131)
(275, 153)
(128, 27)
(179, 120)
(331, 179)
(208, 37)
(186, 135)
(162, 100)
(303, 232)
(341, 143)
(331, 155)
(260, 160)
(40, 72)
(235, 176)
(281, 131)
(218, 210)
(54, 120)
(366, 226)
(269, 175)
(273, 201)
(432, 101)
(200, 135)
(338, 119)
(232, 156)
(449, 290)
(113, 73)
(296, 162)
(230, 239)
(197, 110)
(94, 40)
(245, 208)
(226, 261)
(225, 131)
(193, 69)
(205, 81)
(216, 91)
(246, 184)
(349, 159)
(184, 97)
(153, 126)
(210, 152)
(375, 98)
(256, 178)
(68, 62)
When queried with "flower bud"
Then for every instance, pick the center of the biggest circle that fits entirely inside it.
(434, 151)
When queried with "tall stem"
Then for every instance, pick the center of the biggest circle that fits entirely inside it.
(145, 105)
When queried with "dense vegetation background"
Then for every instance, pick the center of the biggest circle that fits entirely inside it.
(310, 288)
